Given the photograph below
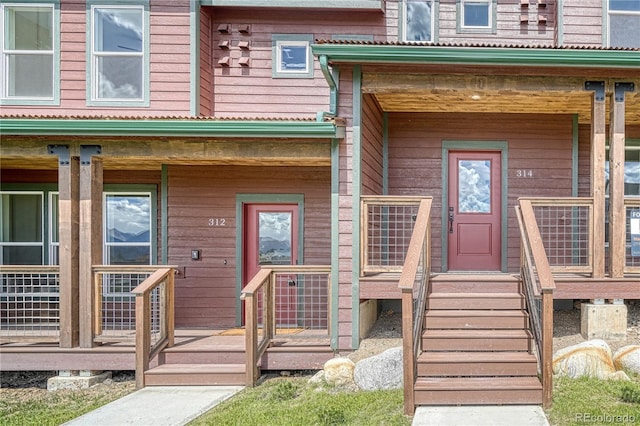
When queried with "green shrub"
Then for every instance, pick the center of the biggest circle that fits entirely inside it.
(630, 393)
(284, 391)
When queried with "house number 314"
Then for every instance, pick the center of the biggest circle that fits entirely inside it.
(523, 173)
(216, 221)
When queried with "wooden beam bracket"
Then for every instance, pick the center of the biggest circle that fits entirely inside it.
(596, 86)
(62, 151)
(87, 151)
(620, 89)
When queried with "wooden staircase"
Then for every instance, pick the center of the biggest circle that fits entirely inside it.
(476, 344)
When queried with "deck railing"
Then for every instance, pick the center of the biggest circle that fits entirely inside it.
(289, 301)
(538, 286)
(413, 284)
(29, 303)
(386, 226)
(154, 308)
(566, 229)
(114, 308)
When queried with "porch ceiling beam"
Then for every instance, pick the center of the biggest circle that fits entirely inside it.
(405, 83)
(170, 127)
(506, 56)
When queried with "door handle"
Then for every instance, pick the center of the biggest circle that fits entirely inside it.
(451, 220)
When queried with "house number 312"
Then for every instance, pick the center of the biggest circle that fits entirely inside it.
(216, 221)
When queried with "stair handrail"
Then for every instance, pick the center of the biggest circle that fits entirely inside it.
(538, 287)
(263, 280)
(163, 280)
(413, 284)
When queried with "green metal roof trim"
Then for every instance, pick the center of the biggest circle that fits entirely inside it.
(476, 55)
(298, 4)
(170, 127)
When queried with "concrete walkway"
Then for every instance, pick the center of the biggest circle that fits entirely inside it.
(158, 406)
(475, 415)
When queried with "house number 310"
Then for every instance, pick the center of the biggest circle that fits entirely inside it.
(522, 173)
(216, 221)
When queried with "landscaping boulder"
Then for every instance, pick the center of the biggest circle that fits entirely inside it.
(628, 358)
(339, 372)
(592, 359)
(382, 371)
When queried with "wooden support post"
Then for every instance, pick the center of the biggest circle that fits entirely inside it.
(547, 349)
(598, 141)
(617, 212)
(90, 238)
(68, 183)
(408, 354)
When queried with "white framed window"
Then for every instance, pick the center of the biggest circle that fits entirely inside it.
(127, 228)
(119, 45)
(29, 52)
(22, 228)
(292, 56)
(476, 13)
(624, 23)
(418, 21)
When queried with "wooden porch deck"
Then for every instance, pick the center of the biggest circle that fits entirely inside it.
(300, 351)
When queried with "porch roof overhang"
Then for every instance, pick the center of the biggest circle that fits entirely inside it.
(170, 127)
(468, 78)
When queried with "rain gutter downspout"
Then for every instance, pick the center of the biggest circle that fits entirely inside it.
(333, 86)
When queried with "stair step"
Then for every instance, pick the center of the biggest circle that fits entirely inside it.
(466, 300)
(195, 375)
(476, 340)
(475, 319)
(480, 283)
(477, 364)
(477, 390)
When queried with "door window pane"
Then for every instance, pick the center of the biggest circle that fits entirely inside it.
(274, 236)
(418, 25)
(474, 186)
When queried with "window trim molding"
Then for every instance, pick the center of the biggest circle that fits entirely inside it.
(493, 17)
(276, 40)
(606, 21)
(435, 23)
(55, 98)
(133, 189)
(146, 74)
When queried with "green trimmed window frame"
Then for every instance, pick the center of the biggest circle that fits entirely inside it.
(130, 212)
(25, 230)
(291, 55)
(30, 53)
(418, 20)
(118, 53)
(476, 16)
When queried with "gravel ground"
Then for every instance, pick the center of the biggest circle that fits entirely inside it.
(386, 333)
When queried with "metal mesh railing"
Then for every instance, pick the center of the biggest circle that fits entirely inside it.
(301, 303)
(29, 302)
(565, 229)
(632, 255)
(387, 226)
(117, 310)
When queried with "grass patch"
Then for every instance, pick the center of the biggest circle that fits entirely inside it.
(288, 401)
(592, 401)
(40, 407)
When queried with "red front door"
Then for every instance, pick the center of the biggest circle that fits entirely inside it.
(271, 238)
(474, 211)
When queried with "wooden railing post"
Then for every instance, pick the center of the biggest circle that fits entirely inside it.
(547, 348)
(143, 336)
(251, 338)
(170, 308)
(408, 361)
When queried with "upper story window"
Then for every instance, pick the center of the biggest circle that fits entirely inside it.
(418, 20)
(476, 13)
(624, 23)
(29, 53)
(119, 45)
(292, 56)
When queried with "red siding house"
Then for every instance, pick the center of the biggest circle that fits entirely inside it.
(201, 190)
